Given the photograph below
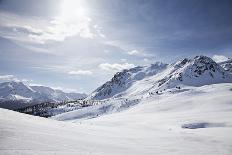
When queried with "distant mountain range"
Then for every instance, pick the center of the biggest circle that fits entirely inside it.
(160, 77)
(17, 94)
(130, 83)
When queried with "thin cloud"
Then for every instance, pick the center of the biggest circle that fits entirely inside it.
(35, 30)
(123, 60)
(39, 49)
(115, 67)
(134, 52)
(9, 78)
(140, 54)
(99, 31)
(80, 72)
(6, 78)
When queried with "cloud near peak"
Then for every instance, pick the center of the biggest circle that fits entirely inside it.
(6, 78)
(115, 66)
(9, 78)
(80, 72)
(219, 58)
(139, 53)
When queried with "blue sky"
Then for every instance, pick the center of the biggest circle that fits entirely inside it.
(77, 45)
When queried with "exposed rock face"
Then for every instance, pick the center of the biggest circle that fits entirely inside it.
(227, 65)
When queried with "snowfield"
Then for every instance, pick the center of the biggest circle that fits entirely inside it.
(192, 120)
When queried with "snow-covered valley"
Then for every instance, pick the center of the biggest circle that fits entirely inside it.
(179, 108)
(159, 124)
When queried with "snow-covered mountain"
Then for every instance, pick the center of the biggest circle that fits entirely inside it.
(57, 95)
(125, 79)
(160, 77)
(175, 107)
(199, 71)
(227, 65)
(18, 91)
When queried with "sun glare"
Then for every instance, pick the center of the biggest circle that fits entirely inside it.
(72, 10)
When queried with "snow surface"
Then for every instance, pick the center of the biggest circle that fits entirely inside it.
(193, 120)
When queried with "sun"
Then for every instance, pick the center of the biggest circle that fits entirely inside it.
(72, 10)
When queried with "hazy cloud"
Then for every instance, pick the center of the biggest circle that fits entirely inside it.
(80, 72)
(115, 67)
(5, 78)
(219, 58)
(8, 78)
(36, 30)
(99, 31)
(140, 54)
(134, 52)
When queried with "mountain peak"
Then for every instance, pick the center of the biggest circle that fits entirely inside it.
(202, 64)
(201, 70)
(204, 60)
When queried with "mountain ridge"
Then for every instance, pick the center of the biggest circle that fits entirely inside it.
(18, 91)
(198, 71)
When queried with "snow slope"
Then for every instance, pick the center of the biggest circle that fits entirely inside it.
(199, 71)
(18, 91)
(196, 120)
(122, 81)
